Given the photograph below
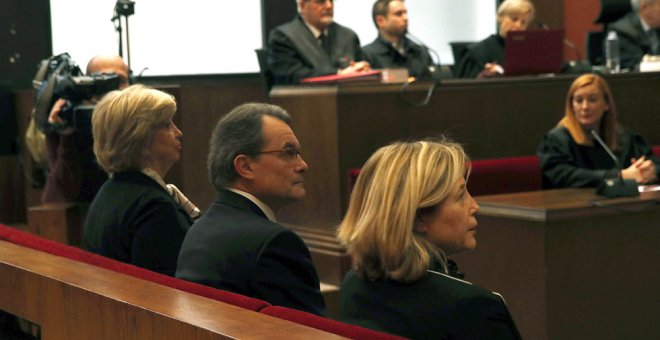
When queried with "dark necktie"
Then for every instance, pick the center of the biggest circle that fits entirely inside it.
(325, 43)
(655, 43)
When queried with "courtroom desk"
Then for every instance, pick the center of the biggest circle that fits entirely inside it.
(567, 268)
(340, 126)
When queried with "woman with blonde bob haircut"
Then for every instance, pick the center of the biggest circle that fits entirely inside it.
(408, 211)
(569, 155)
(486, 58)
(136, 217)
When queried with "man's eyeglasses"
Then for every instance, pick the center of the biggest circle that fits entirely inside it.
(321, 2)
(287, 154)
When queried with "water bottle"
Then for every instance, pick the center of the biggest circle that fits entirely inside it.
(612, 59)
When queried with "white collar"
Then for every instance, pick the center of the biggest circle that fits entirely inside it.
(156, 177)
(315, 31)
(263, 206)
(447, 276)
(645, 26)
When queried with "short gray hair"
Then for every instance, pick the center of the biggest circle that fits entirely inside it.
(238, 133)
(516, 7)
(638, 3)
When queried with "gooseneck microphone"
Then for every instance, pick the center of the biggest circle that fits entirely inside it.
(570, 44)
(436, 63)
(615, 187)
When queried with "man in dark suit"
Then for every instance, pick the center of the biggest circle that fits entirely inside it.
(392, 49)
(237, 245)
(639, 32)
(313, 45)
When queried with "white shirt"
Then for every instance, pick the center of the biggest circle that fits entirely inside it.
(263, 206)
(315, 31)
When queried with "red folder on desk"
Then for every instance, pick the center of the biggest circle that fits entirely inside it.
(373, 76)
(533, 52)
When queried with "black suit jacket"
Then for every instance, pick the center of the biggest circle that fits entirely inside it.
(436, 307)
(381, 54)
(134, 220)
(295, 54)
(234, 247)
(475, 58)
(634, 42)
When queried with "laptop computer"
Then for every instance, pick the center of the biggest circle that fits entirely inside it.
(533, 52)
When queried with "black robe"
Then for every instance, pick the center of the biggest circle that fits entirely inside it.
(564, 163)
(488, 50)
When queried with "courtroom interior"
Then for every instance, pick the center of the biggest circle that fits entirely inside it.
(420, 169)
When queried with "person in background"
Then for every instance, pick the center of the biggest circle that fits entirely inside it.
(485, 58)
(392, 49)
(255, 164)
(74, 175)
(136, 217)
(408, 211)
(639, 32)
(312, 45)
(569, 155)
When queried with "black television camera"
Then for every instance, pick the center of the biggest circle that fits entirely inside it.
(60, 77)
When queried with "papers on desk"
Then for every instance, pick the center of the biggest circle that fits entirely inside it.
(388, 75)
(650, 63)
(647, 188)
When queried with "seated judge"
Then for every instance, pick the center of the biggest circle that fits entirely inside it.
(136, 218)
(409, 210)
(255, 164)
(392, 49)
(485, 58)
(313, 45)
(639, 32)
(571, 157)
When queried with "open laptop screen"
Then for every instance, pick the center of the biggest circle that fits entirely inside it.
(533, 52)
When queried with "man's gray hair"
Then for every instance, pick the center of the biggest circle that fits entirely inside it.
(638, 3)
(238, 133)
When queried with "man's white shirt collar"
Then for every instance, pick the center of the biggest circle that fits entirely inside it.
(315, 31)
(263, 206)
(645, 26)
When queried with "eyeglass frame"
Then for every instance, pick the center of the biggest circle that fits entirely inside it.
(321, 2)
(290, 154)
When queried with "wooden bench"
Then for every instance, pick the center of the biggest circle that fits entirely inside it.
(62, 288)
(68, 299)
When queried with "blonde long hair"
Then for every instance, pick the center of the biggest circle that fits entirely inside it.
(395, 184)
(609, 121)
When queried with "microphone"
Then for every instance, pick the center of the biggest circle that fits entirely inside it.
(615, 187)
(436, 67)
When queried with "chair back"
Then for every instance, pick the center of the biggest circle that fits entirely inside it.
(458, 49)
(264, 69)
(612, 10)
(595, 47)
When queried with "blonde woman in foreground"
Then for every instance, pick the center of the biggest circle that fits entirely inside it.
(410, 208)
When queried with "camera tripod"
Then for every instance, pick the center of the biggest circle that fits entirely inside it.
(123, 8)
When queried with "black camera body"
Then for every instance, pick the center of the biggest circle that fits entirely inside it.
(78, 90)
(60, 77)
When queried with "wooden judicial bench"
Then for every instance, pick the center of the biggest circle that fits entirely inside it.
(570, 264)
(72, 294)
